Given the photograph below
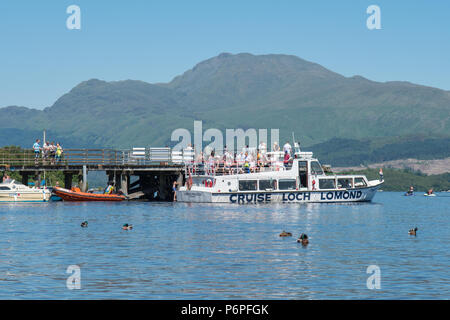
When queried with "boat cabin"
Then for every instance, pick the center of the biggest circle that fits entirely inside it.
(303, 173)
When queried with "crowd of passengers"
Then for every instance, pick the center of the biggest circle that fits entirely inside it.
(249, 160)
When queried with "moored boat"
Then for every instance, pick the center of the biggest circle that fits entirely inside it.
(302, 180)
(12, 191)
(75, 194)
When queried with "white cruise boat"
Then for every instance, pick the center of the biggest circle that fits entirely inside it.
(12, 191)
(303, 180)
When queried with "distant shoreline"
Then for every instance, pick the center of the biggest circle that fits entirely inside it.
(402, 179)
(428, 167)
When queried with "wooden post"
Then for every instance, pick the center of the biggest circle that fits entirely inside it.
(124, 182)
(180, 180)
(83, 184)
(38, 180)
(117, 180)
(68, 180)
(25, 178)
(80, 180)
(110, 177)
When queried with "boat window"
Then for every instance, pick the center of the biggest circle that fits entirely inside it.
(316, 169)
(326, 184)
(344, 183)
(267, 184)
(359, 182)
(247, 185)
(287, 184)
(303, 173)
(200, 181)
(302, 165)
(5, 188)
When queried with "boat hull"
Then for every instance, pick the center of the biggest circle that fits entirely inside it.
(25, 196)
(69, 195)
(294, 196)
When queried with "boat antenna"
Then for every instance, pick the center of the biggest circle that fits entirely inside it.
(296, 145)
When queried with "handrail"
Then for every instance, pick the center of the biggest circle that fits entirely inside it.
(160, 156)
(77, 156)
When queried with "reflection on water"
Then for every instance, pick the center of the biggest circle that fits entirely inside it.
(203, 251)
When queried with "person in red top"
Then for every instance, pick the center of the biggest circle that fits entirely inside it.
(287, 157)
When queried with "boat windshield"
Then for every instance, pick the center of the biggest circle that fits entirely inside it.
(316, 168)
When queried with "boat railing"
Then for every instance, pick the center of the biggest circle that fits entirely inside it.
(220, 168)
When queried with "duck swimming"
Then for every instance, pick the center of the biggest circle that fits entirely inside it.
(84, 224)
(413, 232)
(303, 239)
(285, 234)
(127, 226)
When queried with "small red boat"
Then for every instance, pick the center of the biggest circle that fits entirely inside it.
(75, 194)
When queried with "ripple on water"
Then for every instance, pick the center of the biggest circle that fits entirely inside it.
(187, 251)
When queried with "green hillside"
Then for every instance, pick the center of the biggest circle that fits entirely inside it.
(401, 180)
(244, 91)
(351, 152)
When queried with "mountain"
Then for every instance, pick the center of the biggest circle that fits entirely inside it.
(237, 91)
(351, 152)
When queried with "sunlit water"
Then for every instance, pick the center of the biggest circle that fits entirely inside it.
(204, 251)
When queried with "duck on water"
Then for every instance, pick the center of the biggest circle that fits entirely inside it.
(301, 179)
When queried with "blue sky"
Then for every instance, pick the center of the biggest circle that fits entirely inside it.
(153, 41)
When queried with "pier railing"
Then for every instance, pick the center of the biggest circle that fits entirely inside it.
(10, 157)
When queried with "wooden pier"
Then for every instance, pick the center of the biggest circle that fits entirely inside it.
(145, 173)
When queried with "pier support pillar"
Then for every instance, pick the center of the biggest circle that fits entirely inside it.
(110, 177)
(124, 183)
(117, 180)
(37, 182)
(180, 180)
(25, 178)
(68, 181)
(83, 182)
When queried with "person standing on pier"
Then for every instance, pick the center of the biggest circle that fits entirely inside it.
(37, 150)
(174, 189)
(59, 151)
(45, 150)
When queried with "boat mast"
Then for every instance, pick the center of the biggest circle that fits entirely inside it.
(43, 142)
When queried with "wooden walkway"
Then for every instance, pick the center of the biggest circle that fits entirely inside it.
(94, 159)
(155, 168)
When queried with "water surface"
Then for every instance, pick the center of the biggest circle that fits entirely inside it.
(204, 251)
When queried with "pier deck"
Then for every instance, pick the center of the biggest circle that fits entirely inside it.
(154, 169)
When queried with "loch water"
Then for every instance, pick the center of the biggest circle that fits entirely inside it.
(227, 251)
